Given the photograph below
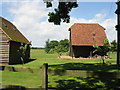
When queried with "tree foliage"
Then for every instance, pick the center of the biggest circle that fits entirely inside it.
(61, 13)
(23, 52)
(102, 50)
(50, 45)
(47, 46)
(113, 46)
(55, 46)
(64, 43)
(62, 47)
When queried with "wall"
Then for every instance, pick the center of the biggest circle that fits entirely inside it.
(4, 48)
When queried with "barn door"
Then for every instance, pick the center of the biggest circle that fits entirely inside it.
(4, 48)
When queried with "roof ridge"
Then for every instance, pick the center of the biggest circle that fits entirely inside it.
(85, 23)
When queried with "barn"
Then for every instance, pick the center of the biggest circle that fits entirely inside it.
(14, 47)
(82, 38)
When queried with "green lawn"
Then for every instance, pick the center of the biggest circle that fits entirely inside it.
(21, 79)
(70, 64)
(52, 59)
(34, 80)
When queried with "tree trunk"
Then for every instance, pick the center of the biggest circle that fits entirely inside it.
(102, 57)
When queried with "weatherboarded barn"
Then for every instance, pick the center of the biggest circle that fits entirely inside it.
(82, 38)
(14, 47)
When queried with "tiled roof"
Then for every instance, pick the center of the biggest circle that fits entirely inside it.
(12, 32)
(85, 34)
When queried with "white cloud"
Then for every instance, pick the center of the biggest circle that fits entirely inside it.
(99, 15)
(63, 0)
(31, 19)
(109, 24)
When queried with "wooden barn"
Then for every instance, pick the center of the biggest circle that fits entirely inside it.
(14, 47)
(82, 38)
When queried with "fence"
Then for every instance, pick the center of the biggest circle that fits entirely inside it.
(79, 73)
(43, 71)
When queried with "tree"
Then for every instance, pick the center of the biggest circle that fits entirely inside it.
(55, 46)
(61, 13)
(50, 45)
(59, 49)
(23, 52)
(65, 44)
(113, 46)
(47, 46)
(62, 47)
(102, 51)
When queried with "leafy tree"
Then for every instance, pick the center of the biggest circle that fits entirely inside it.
(102, 51)
(47, 46)
(59, 49)
(50, 45)
(55, 46)
(23, 51)
(113, 46)
(62, 47)
(65, 44)
(61, 13)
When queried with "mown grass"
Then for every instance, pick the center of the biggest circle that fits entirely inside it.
(52, 59)
(21, 79)
(34, 80)
(67, 64)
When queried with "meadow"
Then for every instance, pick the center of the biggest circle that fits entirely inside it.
(34, 80)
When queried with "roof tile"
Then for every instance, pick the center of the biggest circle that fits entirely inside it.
(86, 34)
(12, 32)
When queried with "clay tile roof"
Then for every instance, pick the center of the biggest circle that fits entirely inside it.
(86, 34)
(12, 32)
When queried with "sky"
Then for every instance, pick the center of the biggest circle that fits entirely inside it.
(31, 18)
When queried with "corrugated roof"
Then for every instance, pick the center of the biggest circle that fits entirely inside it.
(86, 34)
(12, 32)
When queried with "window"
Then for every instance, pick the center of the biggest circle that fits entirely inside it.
(4, 24)
(94, 35)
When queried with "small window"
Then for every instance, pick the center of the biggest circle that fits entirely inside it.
(94, 35)
(4, 24)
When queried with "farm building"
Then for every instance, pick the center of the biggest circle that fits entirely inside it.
(14, 47)
(82, 38)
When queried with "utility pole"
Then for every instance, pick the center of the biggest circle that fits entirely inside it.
(118, 32)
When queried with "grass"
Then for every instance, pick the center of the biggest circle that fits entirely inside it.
(61, 82)
(67, 64)
(34, 80)
(52, 59)
(21, 79)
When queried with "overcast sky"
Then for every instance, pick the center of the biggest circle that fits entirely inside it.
(30, 17)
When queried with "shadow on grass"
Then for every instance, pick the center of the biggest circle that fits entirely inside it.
(16, 87)
(82, 66)
(88, 83)
(29, 60)
(104, 80)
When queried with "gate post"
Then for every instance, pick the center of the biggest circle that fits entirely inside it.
(44, 76)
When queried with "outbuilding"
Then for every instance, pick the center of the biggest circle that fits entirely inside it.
(14, 47)
(82, 38)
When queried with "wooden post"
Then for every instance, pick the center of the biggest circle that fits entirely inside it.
(90, 54)
(118, 32)
(44, 76)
